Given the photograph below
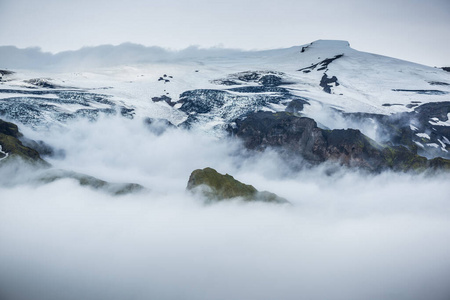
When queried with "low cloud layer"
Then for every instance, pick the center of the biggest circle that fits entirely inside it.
(348, 235)
(102, 56)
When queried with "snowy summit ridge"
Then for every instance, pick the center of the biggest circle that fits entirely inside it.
(326, 80)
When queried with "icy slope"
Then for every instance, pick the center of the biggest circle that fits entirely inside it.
(323, 80)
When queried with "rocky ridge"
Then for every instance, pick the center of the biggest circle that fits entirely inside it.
(301, 141)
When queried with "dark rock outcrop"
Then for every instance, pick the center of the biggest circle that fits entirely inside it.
(299, 137)
(216, 187)
(296, 105)
(404, 129)
(164, 98)
(92, 182)
(12, 147)
(270, 80)
(42, 83)
(323, 65)
(205, 105)
(4, 74)
(327, 83)
(422, 92)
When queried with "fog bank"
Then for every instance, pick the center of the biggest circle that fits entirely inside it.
(103, 56)
(348, 235)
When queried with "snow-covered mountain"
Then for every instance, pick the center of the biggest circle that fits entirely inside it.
(389, 100)
(127, 171)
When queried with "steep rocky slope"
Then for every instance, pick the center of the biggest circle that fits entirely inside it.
(301, 141)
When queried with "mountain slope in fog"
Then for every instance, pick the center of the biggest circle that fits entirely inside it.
(392, 101)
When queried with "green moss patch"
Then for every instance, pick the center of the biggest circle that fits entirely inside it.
(216, 186)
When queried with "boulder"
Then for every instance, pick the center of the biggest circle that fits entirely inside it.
(217, 187)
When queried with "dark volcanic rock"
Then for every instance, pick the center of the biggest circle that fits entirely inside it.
(259, 89)
(127, 112)
(204, 105)
(215, 187)
(265, 78)
(43, 83)
(438, 83)
(270, 80)
(202, 101)
(299, 137)
(296, 105)
(164, 98)
(6, 72)
(249, 76)
(401, 129)
(323, 65)
(422, 92)
(280, 130)
(225, 82)
(446, 69)
(438, 110)
(327, 83)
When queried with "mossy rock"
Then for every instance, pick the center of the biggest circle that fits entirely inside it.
(400, 158)
(439, 163)
(216, 187)
(13, 147)
(89, 181)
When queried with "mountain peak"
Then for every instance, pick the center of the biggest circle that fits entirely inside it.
(331, 44)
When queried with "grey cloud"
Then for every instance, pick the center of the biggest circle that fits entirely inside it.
(101, 56)
(348, 236)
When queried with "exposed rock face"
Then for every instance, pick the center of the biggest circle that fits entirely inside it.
(216, 187)
(206, 105)
(12, 147)
(424, 130)
(323, 65)
(42, 82)
(327, 83)
(300, 137)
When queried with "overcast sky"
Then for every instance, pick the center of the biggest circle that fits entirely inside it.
(414, 30)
